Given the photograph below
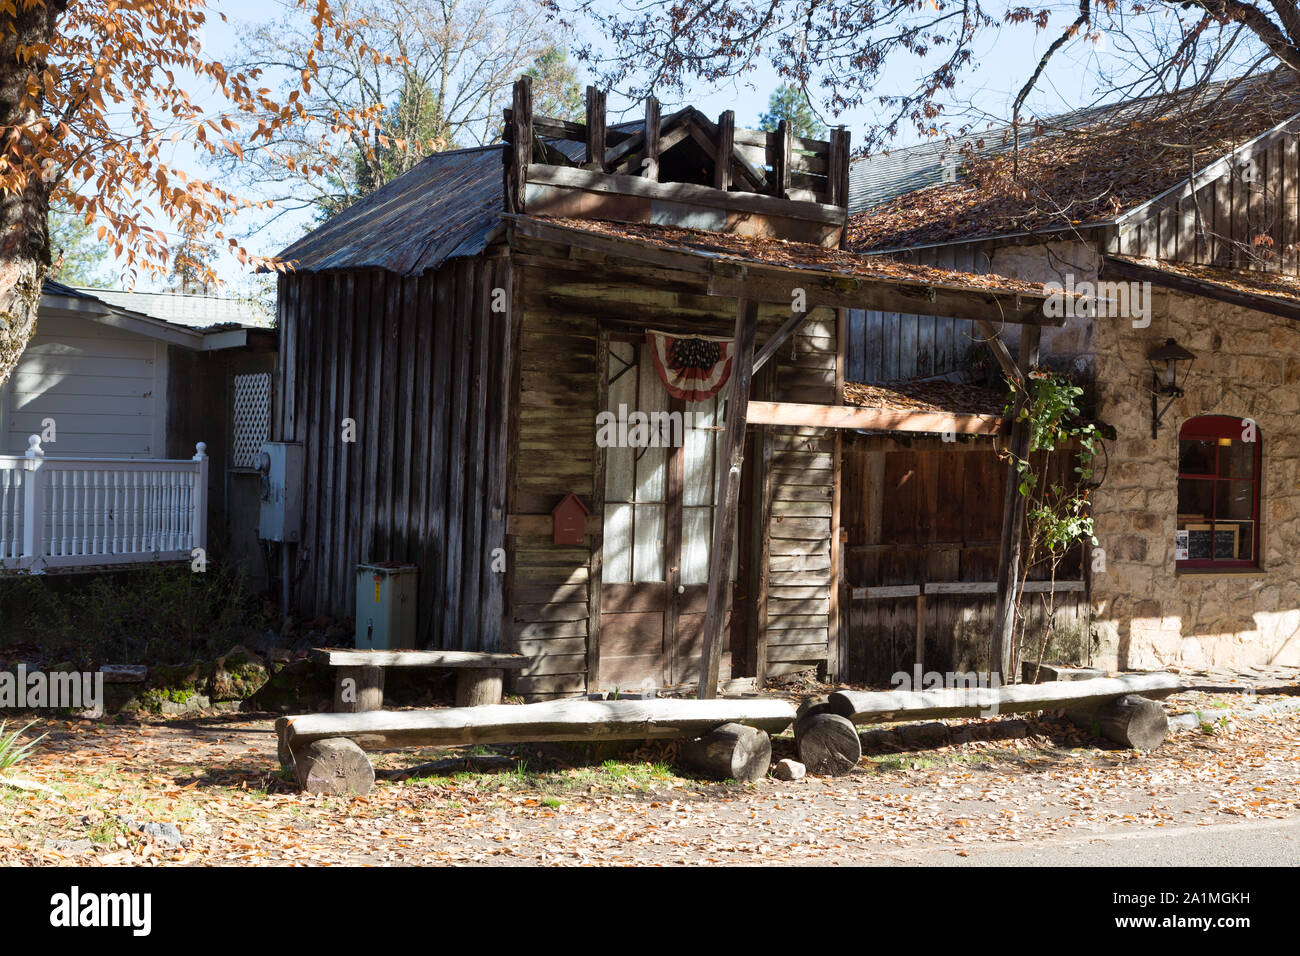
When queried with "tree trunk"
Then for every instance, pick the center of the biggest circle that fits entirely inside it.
(1133, 721)
(732, 752)
(828, 744)
(26, 178)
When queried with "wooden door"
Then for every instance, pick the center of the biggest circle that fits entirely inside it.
(659, 504)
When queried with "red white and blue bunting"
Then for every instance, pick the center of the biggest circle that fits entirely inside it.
(692, 367)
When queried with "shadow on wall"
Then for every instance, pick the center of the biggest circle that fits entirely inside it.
(1147, 640)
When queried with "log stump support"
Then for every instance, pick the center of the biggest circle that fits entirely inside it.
(1133, 721)
(358, 689)
(333, 766)
(732, 752)
(479, 686)
(828, 744)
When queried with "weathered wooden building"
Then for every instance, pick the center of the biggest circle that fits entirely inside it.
(648, 317)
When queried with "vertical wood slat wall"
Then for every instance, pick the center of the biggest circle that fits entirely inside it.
(926, 511)
(889, 346)
(420, 365)
(1244, 219)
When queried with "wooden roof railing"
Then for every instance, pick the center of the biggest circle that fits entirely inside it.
(776, 163)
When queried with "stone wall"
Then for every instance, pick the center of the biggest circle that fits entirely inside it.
(1146, 614)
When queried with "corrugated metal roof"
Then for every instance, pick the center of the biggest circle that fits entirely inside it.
(875, 180)
(446, 207)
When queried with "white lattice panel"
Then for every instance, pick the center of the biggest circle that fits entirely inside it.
(252, 420)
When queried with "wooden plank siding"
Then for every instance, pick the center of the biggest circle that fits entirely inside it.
(1243, 218)
(802, 497)
(958, 628)
(889, 346)
(565, 307)
(920, 512)
(418, 364)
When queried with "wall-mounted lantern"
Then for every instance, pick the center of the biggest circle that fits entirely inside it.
(1167, 377)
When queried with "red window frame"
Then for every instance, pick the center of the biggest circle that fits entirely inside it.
(1205, 427)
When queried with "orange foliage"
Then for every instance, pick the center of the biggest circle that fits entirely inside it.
(116, 93)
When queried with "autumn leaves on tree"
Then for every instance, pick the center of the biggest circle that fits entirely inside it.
(92, 95)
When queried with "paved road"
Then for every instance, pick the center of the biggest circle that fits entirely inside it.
(1262, 843)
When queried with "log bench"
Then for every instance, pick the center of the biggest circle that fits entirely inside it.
(325, 752)
(479, 676)
(1124, 709)
(873, 707)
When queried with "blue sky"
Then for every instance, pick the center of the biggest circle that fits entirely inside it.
(1004, 59)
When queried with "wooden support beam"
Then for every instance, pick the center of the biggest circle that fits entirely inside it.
(760, 535)
(764, 282)
(650, 159)
(1013, 522)
(873, 419)
(521, 143)
(877, 293)
(920, 630)
(728, 499)
(595, 156)
(999, 349)
(617, 156)
(778, 339)
(726, 146)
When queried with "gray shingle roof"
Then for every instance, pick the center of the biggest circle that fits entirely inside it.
(192, 311)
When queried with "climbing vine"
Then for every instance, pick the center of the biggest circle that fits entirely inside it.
(1057, 507)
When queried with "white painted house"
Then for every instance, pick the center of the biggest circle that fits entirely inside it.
(96, 378)
(102, 379)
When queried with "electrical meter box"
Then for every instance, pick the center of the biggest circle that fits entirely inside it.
(386, 595)
(280, 515)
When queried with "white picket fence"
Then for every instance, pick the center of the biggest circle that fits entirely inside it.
(77, 512)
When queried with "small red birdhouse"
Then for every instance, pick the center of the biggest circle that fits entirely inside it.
(569, 520)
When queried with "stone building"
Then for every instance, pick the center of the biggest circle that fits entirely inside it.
(1198, 512)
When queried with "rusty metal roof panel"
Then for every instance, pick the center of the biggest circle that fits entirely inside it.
(446, 207)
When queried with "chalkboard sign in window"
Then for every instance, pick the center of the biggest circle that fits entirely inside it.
(1205, 544)
(1218, 493)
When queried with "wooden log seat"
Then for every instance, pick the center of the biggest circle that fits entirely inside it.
(565, 720)
(359, 679)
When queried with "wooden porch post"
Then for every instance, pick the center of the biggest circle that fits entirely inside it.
(726, 146)
(650, 161)
(728, 500)
(521, 147)
(1013, 518)
(595, 155)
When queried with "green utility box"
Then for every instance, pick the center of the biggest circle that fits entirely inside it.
(386, 595)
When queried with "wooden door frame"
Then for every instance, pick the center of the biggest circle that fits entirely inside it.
(673, 503)
(674, 492)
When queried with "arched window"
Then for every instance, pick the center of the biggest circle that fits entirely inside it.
(1218, 493)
